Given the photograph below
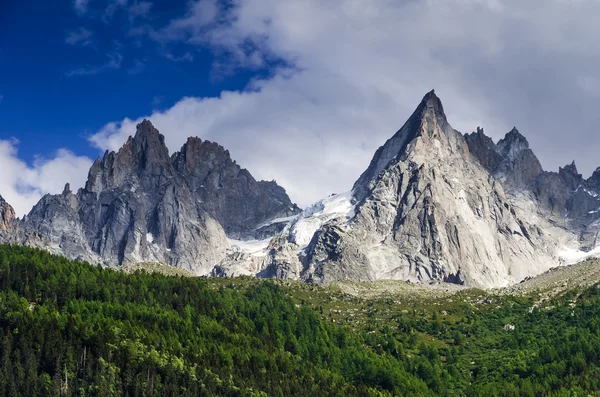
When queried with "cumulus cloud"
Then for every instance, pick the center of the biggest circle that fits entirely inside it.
(23, 185)
(355, 70)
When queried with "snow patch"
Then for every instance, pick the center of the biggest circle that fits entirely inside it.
(570, 256)
(286, 219)
(252, 247)
(149, 238)
(312, 218)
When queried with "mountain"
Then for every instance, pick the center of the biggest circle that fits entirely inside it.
(511, 160)
(565, 198)
(433, 205)
(140, 204)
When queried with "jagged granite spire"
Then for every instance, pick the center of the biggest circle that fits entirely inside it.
(425, 210)
(428, 121)
(510, 160)
(230, 193)
(571, 177)
(144, 157)
(141, 205)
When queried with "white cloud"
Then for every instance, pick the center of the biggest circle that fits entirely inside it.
(23, 185)
(359, 68)
(81, 36)
(114, 62)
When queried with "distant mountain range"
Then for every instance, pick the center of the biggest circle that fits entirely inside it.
(433, 205)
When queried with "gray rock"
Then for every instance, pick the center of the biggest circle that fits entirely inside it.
(7, 216)
(511, 160)
(425, 209)
(140, 204)
(229, 193)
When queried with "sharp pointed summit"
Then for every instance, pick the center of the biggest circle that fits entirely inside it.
(425, 209)
(426, 131)
(433, 206)
(141, 205)
(431, 103)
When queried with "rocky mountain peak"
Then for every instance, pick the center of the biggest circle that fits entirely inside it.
(513, 143)
(594, 180)
(570, 168)
(571, 177)
(510, 160)
(7, 215)
(228, 192)
(484, 149)
(425, 209)
(147, 146)
(196, 152)
(428, 121)
(143, 158)
(431, 103)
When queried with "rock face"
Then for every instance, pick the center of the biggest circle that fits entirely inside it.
(425, 209)
(7, 216)
(433, 205)
(564, 197)
(142, 205)
(511, 160)
(229, 193)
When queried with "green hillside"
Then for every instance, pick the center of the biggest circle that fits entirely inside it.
(72, 329)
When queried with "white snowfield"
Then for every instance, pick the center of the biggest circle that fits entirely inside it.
(311, 219)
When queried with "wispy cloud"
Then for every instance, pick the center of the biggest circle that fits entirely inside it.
(187, 57)
(112, 8)
(139, 10)
(114, 62)
(81, 6)
(137, 67)
(1, 98)
(157, 100)
(81, 37)
(199, 15)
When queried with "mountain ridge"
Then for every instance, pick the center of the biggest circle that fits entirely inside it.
(139, 206)
(433, 205)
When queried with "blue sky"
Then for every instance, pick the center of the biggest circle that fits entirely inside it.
(66, 72)
(300, 91)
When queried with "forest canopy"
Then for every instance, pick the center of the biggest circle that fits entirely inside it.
(73, 329)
